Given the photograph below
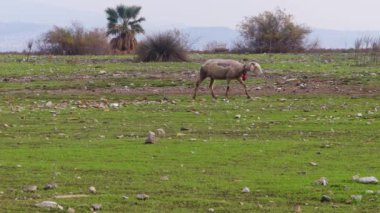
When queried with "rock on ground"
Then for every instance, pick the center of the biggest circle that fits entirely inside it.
(245, 190)
(142, 196)
(49, 204)
(30, 188)
(370, 179)
(92, 189)
(151, 138)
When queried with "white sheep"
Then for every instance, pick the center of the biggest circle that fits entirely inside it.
(228, 70)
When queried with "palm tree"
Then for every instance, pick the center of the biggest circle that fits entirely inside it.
(124, 25)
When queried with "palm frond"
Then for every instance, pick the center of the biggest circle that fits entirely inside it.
(112, 15)
(122, 11)
(133, 11)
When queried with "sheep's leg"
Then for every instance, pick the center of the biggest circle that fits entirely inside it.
(197, 86)
(245, 87)
(228, 87)
(211, 86)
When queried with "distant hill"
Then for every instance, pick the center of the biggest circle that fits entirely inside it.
(339, 39)
(14, 36)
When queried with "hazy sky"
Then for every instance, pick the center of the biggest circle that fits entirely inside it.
(329, 14)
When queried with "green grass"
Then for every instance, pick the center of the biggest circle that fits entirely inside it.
(73, 141)
(268, 150)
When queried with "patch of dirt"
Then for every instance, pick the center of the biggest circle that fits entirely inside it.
(274, 84)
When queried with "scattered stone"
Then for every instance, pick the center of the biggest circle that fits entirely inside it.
(369, 192)
(180, 134)
(125, 197)
(142, 197)
(49, 204)
(151, 138)
(258, 88)
(211, 210)
(164, 178)
(303, 86)
(161, 132)
(245, 190)
(102, 72)
(49, 104)
(313, 164)
(325, 198)
(322, 181)
(70, 210)
(50, 186)
(359, 114)
(370, 179)
(357, 198)
(96, 207)
(237, 116)
(30, 188)
(114, 105)
(92, 189)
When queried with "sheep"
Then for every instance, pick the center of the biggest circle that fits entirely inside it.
(228, 70)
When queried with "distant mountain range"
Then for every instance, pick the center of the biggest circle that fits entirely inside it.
(14, 36)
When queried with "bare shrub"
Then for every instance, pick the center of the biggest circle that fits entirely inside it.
(167, 46)
(272, 32)
(367, 50)
(74, 40)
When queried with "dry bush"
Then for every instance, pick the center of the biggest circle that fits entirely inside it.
(74, 40)
(367, 50)
(166, 46)
(273, 32)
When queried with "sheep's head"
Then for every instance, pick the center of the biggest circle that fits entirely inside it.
(255, 68)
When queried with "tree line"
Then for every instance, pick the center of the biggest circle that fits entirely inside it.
(268, 32)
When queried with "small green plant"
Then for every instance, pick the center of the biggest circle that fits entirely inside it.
(166, 46)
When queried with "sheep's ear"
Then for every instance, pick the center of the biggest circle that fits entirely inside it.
(252, 66)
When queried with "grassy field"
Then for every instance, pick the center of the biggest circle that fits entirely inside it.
(75, 138)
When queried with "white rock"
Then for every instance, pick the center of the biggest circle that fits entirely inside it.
(369, 192)
(370, 179)
(49, 204)
(322, 181)
(70, 210)
(30, 188)
(151, 138)
(114, 105)
(359, 114)
(245, 190)
(237, 116)
(161, 132)
(92, 189)
(102, 72)
(357, 198)
(142, 196)
(49, 104)
(313, 164)
(211, 210)
(96, 207)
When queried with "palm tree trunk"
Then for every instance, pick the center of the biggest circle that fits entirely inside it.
(123, 42)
